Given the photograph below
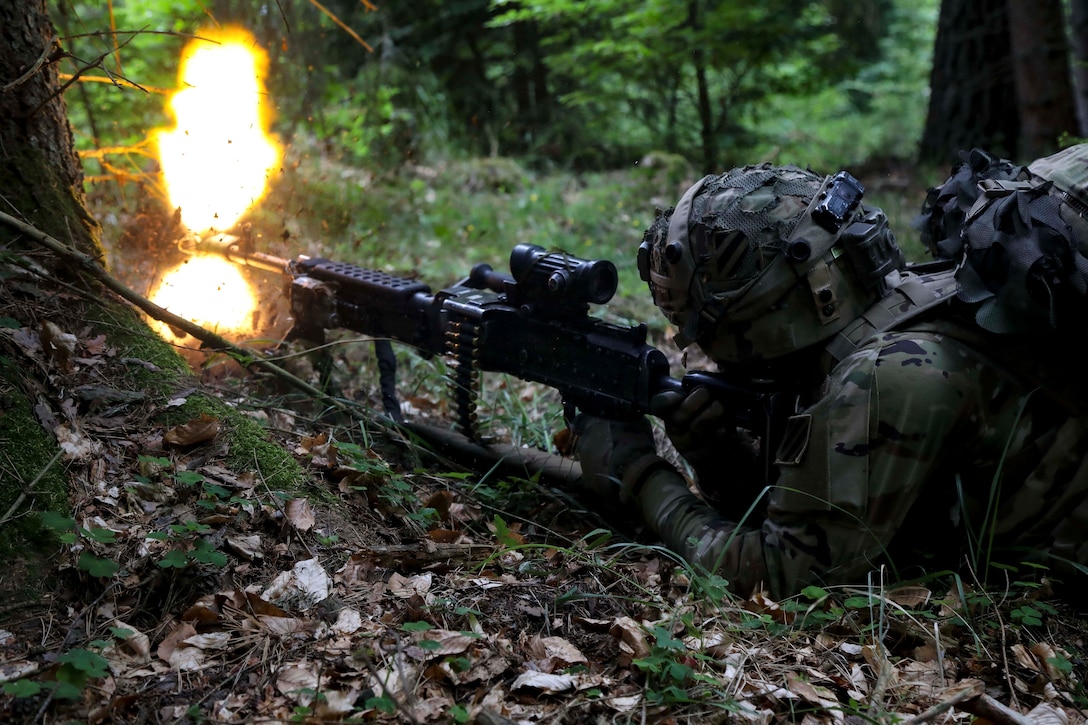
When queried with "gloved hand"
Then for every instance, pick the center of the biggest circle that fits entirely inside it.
(613, 456)
(694, 421)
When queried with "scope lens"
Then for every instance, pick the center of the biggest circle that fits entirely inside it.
(601, 281)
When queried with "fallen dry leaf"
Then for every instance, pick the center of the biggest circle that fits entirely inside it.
(910, 597)
(554, 653)
(300, 514)
(170, 643)
(59, 346)
(405, 587)
(197, 430)
(544, 681)
(307, 578)
(348, 621)
(247, 547)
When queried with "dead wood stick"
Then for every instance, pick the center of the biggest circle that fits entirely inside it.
(965, 691)
(33, 68)
(969, 696)
(29, 489)
(988, 708)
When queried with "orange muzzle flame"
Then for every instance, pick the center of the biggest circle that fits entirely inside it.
(216, 163)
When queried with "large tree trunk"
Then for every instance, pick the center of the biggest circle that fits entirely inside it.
(1078, 39)
(40, 176)
(972, 94)
(1041, 72)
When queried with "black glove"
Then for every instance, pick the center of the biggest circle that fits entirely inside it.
(694, 421)
(614, 455)
(725, 459)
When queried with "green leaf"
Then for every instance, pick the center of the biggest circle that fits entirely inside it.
(121, 633)
(22, 688)
(104, 536)
(92, 663)
(11, 324)
(216, 490)
(813, 592)
(205, 553)
(383, 704)
(97, 567)
(65, 690)
(56, 522)
(188, 478)
(429, 644)
(1061, 664)
(416, 626)
(665, 640)
(174, 558)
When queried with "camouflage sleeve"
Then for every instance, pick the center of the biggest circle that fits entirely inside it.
(872, 443)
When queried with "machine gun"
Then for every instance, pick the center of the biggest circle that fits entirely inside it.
(533, 324)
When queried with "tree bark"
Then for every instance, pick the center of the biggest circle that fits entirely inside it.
(41, 179)
(1078, 39)
(972, 93)
(1040, 59)
(709, 138)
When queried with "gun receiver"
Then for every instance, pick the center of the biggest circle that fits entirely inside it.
(533, 324)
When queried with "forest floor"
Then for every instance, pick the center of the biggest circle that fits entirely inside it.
(399, 587)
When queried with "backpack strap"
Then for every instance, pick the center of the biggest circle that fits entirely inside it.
(915, 294)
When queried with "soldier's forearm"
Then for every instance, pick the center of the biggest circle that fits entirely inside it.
(697, 532)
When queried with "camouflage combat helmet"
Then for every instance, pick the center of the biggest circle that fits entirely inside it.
(766, 260)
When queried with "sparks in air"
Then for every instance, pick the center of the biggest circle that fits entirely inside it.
(216, 163)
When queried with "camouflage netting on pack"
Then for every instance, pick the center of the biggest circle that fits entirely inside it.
(941, 221)
(1023, 267)
(742, 218)
(1019, 235)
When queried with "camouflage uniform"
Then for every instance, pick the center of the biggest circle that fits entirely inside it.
(910, 438)
(911, 429)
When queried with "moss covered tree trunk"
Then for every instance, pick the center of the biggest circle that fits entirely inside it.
(41, 183)
(52, 318)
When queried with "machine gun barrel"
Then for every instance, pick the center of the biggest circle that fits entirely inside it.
(232, 249)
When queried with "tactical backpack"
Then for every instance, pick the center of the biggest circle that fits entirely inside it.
(1019, 238)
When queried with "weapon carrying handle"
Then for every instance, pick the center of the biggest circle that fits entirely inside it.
(484, 276)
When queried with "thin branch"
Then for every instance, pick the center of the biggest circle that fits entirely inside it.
(92, 268)
(965, 693)
(117, 81)
(33, 68)
(22, 496)
(97, 63)
(343, 26)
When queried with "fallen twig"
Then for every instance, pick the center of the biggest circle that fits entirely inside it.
(22, 496)
(970, 696)
(90, 266)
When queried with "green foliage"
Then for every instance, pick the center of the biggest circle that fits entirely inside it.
(187, 546)
(76, 668)
(877, 113)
